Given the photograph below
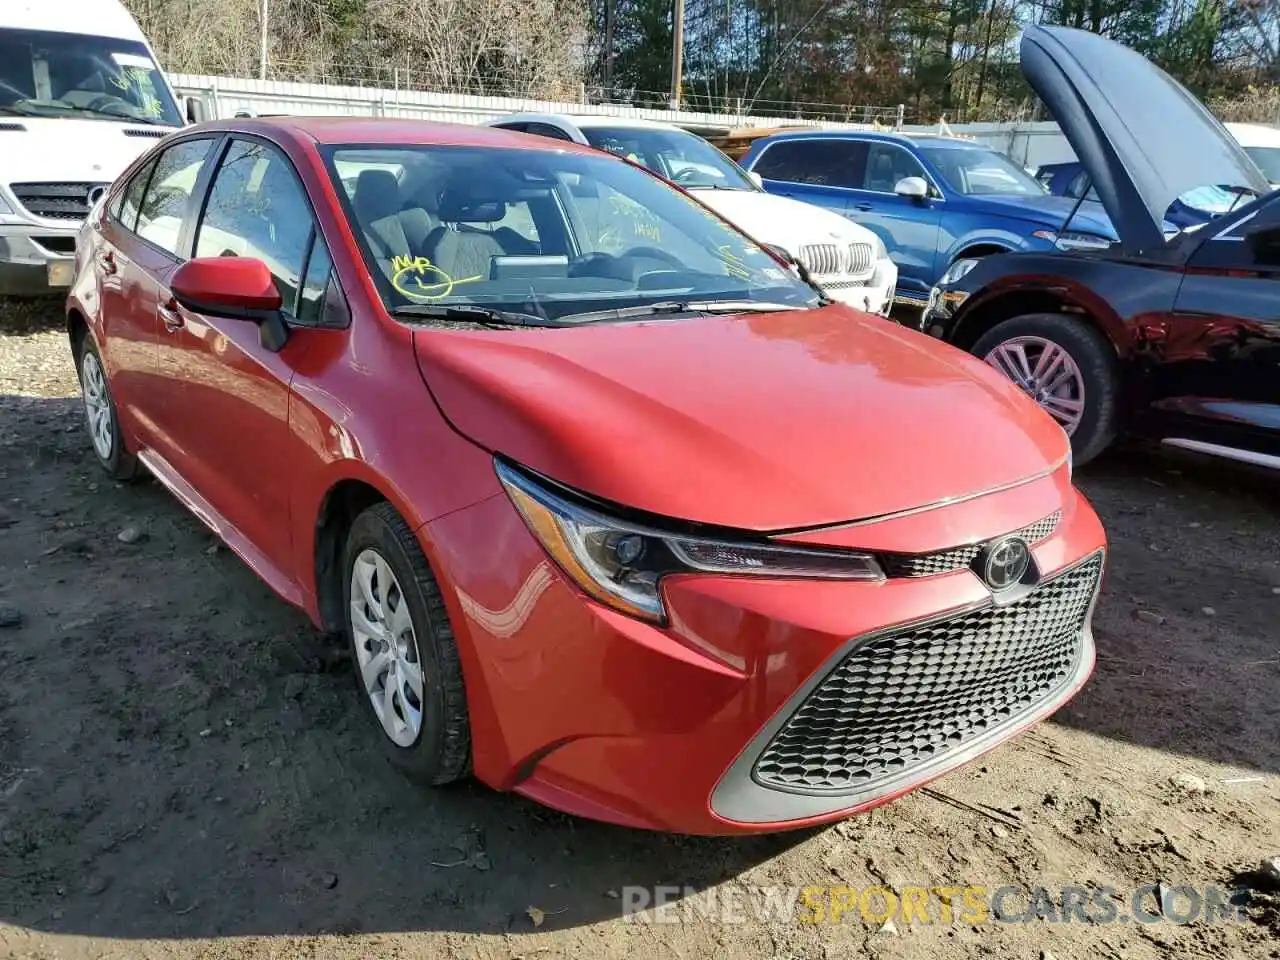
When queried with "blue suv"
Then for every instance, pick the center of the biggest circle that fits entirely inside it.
(932, 200)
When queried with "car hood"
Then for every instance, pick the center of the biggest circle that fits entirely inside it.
(71, 150)
(1143, 138)
(1052, 211)
(760, 422)
(781, 220)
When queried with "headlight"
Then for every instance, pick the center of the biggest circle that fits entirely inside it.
(1070, 240)
(621, 564)
(956, 271)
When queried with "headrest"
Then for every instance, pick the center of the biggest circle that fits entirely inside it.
(461, 206)
(377, 195)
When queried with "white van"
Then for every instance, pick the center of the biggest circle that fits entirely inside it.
(1262, 144)
(81, 96)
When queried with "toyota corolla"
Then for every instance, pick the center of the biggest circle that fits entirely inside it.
(614, 509)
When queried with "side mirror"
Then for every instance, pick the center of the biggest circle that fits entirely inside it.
(1264, 244)
(240, 288)
(194, 109)
(913, 188)
(756, 179)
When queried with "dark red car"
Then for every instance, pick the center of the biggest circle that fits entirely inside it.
(616, 510)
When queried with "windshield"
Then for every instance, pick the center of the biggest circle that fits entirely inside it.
(678, 155)
(542, 232)
(1268, 161)
(973, 170)
(50, 74)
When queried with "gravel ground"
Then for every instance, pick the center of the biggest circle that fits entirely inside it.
(184, 771)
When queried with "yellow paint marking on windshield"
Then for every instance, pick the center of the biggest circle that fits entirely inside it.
(733, 264)
(417, 278)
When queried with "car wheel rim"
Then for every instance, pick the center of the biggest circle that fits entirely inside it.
(97, 404)
(1047, 373)
(386, 647)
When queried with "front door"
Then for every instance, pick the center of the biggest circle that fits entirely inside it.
(231, 390)
(1218, 378)
(908, 226)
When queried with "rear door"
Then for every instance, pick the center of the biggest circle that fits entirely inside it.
(909, 227)
(819, 170)
(142, 251)
(1218, 378)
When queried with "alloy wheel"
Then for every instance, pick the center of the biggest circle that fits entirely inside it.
(386, 647)
(97, 405)
(1048, 374)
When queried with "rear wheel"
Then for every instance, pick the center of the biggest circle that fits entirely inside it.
(403, 651)
(1065, 366)
(100, 414)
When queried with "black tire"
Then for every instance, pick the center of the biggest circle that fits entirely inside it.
(120, 463)
(441, 752)
(1092, 353)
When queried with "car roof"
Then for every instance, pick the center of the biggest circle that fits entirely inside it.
(585, 120)
(381, 131)
(881, 136)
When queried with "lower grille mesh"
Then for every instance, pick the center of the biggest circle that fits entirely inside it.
(903, 699)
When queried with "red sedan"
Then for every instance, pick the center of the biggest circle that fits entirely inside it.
(616, 510)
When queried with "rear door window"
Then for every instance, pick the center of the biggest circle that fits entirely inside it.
(822, 162)
(166, 201)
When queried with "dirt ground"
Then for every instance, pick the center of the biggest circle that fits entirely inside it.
(184, 770)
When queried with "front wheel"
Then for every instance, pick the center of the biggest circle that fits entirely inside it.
(1067, 367)
(403, 650)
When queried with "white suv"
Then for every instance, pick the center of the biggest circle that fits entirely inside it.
(848, 261)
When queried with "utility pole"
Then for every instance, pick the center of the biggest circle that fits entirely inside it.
(609, 15)
(263, 19)
(677, 54)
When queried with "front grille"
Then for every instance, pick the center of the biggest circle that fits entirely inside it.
(908, 697)
(862, 259)
(8, 127)
(820, 258)
(958, 558)
(148, 134)
(55, 201)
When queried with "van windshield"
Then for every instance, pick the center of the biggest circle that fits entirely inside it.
(45, 73)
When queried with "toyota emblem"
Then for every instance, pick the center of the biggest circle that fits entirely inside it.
(1005, 563)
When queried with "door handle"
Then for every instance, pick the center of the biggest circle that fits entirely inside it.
(107, 262)
(864, 207)
(170, 316)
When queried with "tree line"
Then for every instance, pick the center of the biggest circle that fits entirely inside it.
(840, 59)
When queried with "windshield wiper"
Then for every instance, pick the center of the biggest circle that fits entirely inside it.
(13, 110)
(474, 313)
(670, 307)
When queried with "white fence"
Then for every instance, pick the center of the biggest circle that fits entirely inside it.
(1030, 144)
(226, 96)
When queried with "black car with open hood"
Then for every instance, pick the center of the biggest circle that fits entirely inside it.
(1176, 338)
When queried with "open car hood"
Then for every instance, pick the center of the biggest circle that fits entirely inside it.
(1143, 138)
(761, 422)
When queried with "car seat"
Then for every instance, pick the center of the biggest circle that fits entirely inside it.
(390, 230)
(459, 252)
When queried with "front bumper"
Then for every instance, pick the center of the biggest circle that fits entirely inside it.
(603, 716)
(872, 296)
(36, 259)
(937, 317)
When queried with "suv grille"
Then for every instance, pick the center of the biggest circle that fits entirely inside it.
(957, 558)
(905, 698)
(830, 259)
(55, 201)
